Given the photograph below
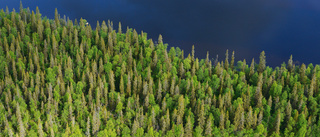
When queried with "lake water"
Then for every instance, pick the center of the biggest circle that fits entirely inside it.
(279, 27)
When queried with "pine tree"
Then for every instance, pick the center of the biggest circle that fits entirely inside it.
(188, 127)
(290, 64)
(249, 118)
(251, 68)
(21, 10)
(98, 96)
(121, 85)
(303, 73)
(135, 127)
(277, 123)
(226, 61)
(119, 29)
(232, 61)
(247, 99)
(258, 94)
(21, 127)
(222, 120)
(181, 70)
(7, 126)
(288, 111)
(160, 39)
(192, 55)
(111, 81)
(208, 130)
(95, 122)
(262, 62)
(239, 118)
(110, 44)
(312, 86)
(128, 87)
(56, 18)
(159, 91)
(88, 127)
(201, 116)
(181, 106)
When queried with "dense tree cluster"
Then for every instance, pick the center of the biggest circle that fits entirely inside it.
(63, 78)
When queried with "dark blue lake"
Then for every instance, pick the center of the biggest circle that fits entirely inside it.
(279, 27)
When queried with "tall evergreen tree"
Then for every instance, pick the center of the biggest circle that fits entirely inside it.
(262, 62)
(21, 128)
(226, 61)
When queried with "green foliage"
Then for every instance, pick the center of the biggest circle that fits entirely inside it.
(61, 78)
(51, 76)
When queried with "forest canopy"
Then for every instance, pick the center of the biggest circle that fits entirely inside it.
(60, 77)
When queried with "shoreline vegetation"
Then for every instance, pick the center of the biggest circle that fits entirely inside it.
(62, 78)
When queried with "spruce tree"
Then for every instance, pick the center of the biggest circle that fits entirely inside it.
(262, 62)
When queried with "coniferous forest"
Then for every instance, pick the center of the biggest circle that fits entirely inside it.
(60, 77)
